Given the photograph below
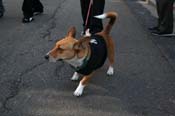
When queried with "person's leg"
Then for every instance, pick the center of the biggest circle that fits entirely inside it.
(159, 7)
(165, 10)
(166, 24)
(96, 25)
(37, 6)
(84, 10)
(27, 11)
(27, 8)
(1, 8)
(160, 12)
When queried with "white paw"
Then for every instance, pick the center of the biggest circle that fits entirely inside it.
(75, 77)
(79, 91)
(110, 71)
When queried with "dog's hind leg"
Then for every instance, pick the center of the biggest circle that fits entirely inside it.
(111, 55)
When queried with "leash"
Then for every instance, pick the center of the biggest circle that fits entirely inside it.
(88, 14)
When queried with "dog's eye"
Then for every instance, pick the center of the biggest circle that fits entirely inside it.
(60, 49)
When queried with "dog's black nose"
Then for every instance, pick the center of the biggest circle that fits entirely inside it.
(46, 57)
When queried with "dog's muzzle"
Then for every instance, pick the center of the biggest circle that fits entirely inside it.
(51, 59)
(46, 57)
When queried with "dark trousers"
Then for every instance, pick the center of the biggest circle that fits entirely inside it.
(165, 15)
(30, 6)
(1, 7)
(97, 8)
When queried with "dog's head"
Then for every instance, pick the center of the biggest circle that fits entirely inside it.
(67, 48)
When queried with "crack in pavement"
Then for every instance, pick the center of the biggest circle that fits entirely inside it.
(52, 24)
(15, 87)
(15, 84)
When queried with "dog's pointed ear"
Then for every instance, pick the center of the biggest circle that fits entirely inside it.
(71, 32)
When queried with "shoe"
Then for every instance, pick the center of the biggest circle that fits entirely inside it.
(153, 28)
(27, 20)
(162, 33)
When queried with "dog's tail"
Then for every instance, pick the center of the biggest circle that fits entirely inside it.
(112, 16)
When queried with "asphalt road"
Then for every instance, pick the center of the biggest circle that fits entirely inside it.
(143, 83)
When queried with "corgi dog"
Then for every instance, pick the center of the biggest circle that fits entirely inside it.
(86, 54)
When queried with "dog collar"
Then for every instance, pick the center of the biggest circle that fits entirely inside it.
(85, 61)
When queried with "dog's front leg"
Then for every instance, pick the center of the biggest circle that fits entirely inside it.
(82, 84)
(75, 76)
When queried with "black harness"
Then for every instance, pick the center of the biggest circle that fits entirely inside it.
(98, 55)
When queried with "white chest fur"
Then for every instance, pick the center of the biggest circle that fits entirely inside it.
(75, 62)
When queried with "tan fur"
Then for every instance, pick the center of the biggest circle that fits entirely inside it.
(73, 51)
